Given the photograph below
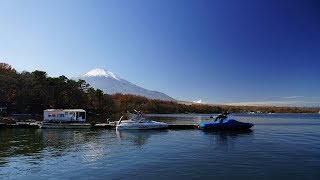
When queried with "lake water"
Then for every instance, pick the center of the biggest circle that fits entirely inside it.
(280, 146)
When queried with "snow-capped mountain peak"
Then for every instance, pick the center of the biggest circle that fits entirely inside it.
(111, 84)
(100, 73)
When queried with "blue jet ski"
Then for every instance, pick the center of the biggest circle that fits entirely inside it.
(225, 122)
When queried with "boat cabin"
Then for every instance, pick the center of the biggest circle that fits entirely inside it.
(64, 115)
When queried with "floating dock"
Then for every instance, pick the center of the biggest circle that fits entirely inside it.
(170, 126)
(35, 125)
(182, 126)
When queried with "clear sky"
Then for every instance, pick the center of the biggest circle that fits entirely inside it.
(219, 51)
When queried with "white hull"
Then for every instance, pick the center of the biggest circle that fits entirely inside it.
(139, 122)
(141, 126)
(65, 125)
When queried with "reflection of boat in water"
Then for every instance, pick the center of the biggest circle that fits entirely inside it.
(227, 138)
(228, 133)
(138, 138)
(138, 121)
(225, 122)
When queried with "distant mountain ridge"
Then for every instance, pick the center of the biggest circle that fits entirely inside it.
(111, 84)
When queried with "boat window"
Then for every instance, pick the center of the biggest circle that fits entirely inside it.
(82, 115)
(66, 113)
(60, 115)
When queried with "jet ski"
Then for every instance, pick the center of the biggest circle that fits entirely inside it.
(225, 121)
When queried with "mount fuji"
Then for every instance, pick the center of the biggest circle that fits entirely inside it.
(109, 83)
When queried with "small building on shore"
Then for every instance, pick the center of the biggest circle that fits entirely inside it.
(64, 115)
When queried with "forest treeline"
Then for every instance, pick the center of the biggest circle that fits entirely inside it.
(32, 92)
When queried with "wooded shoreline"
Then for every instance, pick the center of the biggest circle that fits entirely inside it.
(31, 93)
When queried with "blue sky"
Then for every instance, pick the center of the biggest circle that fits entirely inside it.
(219, 51)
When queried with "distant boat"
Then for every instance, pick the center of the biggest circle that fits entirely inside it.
(138, 121)
(64, 119)
(226, 123)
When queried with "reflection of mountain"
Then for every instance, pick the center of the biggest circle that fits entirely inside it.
(138, 138)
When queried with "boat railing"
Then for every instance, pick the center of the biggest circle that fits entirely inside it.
(120, 120)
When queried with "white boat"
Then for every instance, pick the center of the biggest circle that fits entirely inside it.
(139, 121)
(64, 119)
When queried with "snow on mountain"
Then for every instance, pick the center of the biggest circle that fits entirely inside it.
(100, 73)
(111, 84)
(199, 102)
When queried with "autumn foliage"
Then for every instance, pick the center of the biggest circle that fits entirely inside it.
(32, 92)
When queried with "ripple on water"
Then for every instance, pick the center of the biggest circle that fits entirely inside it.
(278, 147)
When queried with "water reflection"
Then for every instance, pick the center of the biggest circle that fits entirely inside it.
(138, 137)
(59, 138)
(15, 142)
(40, 143)
(84, 143)
(227, 138)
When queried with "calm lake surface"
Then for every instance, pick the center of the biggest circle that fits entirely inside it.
(280, 146)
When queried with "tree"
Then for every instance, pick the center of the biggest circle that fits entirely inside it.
(6, 68)
(8, 83)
